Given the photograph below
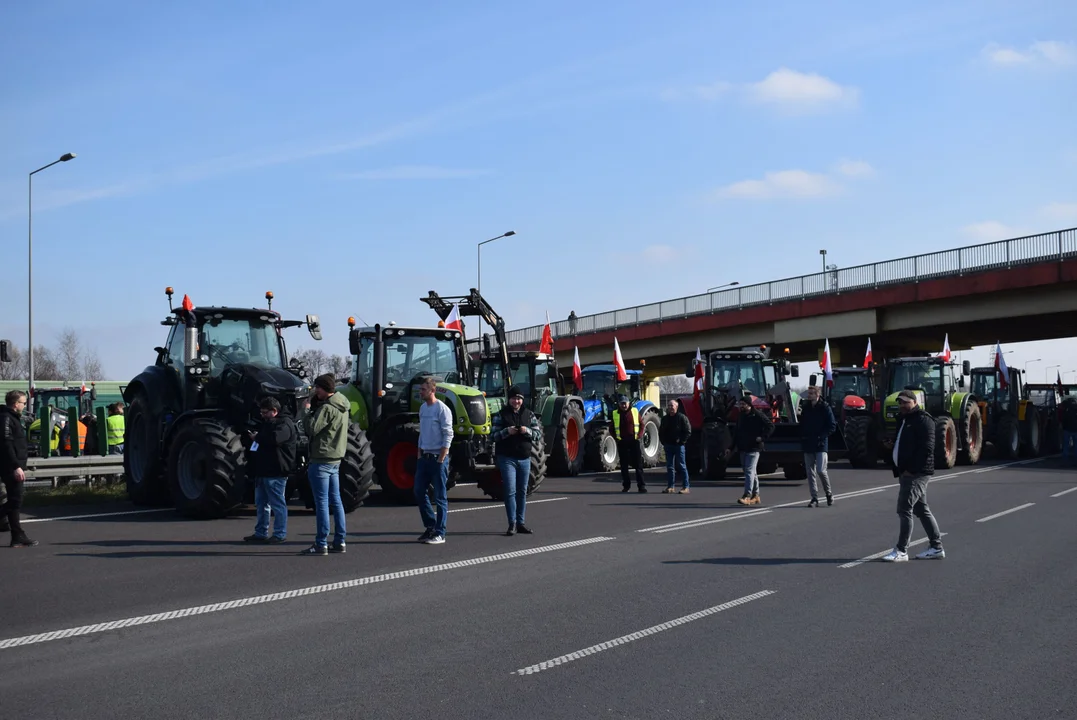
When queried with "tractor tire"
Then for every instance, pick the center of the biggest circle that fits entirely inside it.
(600, 450)
(795, 471)
(356, 469)
(395, 459)
(142, 465)
(650, 446)
(1007, 439)
(972, 435)
(491, 482)
(715, 439)
(207, 469)
(1032, 437)
(566, 450)
(945, 442)
(1052, 432)
(862, 440)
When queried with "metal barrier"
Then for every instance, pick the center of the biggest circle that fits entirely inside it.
(1003, 254)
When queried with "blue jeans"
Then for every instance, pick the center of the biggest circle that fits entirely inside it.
(748, 461)
(514, 474)
(116, 449)
(325, 485)
(269, 497)
(675, 465)
(1069, 445)
(428, 471)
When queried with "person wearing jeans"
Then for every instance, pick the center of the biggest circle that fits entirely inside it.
(327, 428)
(816, 425)
(273, 451)
(674, 432)
(514, 429)
(432, 466)
(749, 434)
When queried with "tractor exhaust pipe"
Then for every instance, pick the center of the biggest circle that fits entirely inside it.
(377, 381)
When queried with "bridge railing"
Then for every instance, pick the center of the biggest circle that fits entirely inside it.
(1057, 245)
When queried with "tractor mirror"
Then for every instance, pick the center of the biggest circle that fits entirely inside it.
(813, 380)
(353, 342)
(690, 372)
(794, 371)
(961, 381)
(315, 327)
(966, 367)
(5, 351)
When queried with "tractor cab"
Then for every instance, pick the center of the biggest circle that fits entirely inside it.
(853, 391)
(728, 374)
(931, 377)
(60, 401)
(533, 372)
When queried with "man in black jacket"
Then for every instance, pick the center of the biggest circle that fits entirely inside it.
(673, 432)
(1068, 412)
(273, 452)
(914, 464)
(751, 431)
(13, 457)
(816, 425)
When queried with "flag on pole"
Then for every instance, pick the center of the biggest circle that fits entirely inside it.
(1000, 365)
(697, 386)
(577, 371)
(946, 348)
(453, 321)
(828, 370)
(867, 355)
(619, 361)
(546, 346)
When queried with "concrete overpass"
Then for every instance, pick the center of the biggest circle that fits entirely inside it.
(1014, 290)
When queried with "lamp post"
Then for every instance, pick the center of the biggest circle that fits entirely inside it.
(823, 253)
(1047, 372)
(719, 287)
(1031, 361)
(30, 260)
(478, 265)
(1067, 374)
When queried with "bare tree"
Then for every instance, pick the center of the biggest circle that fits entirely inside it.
(69, 355)
(91, 367)
(338, 365)
(671, 384)
(70, 361)
(46, 366)
(16, 369)
(315, 361)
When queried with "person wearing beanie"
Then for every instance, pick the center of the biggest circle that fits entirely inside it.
(326, 423)
(514, 429)
(749, 435)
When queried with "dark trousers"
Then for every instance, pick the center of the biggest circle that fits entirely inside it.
(912, 500)
(10, 509)
(630, 453)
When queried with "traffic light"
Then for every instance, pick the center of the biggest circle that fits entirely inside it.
(5, 351)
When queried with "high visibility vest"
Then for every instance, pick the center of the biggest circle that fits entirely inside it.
(617, 421)
(114, 427)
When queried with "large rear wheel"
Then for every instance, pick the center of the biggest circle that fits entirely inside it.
(142, 455)
(600, 450)
(356, 469)
(716, 439)
(395, 458)
(1008, 437)
(972, 435)
(945, 442)
(207, 469)
(1032, 440)
(650, 445)
(567, 450)
(489, 480)
(862, 440)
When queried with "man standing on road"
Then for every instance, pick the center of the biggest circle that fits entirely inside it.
(627, 431)
(114, 429)
(326, 424)
(749, 434)
(13, 457)
(914, 464)
(272, 462)
(514, 429)
(432, 467)
(674, 433)
(816, 424)
(1069, 430)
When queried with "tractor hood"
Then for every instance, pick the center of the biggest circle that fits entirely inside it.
(243, 386)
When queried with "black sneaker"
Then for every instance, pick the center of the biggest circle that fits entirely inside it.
(24, 542)
(338, 548)
(511, 531)
(814, 502)
(829, 500)
(523, 529)
(626, 488)
(275, 540)
(426, 535)
(256, 538)
(643, 490)
(316, 550)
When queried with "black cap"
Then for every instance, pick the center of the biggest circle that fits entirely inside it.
(908, 395)
(514, 391)
(622, 398)
(326, 382)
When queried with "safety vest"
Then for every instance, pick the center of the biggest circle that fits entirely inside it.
(617, 421)
(114, 426)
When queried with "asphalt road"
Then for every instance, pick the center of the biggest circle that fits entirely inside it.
(620, 606)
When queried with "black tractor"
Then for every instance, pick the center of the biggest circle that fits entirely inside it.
(185, 439)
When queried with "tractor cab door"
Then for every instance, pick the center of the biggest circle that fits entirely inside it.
(543, 383)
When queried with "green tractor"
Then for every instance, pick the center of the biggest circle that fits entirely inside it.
(60, 400)
(958, 423)
(1012, 422)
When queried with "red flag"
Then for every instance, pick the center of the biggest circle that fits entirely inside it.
(577, 371)
(946, 348)
(1000, 366)
(453, 321)
(867, 356)
(547, 337)
(619, 362)
(187, 304)
(828, 370)
(697, 386)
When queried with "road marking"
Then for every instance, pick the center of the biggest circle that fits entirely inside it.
(1064, 492)
(713, 518)
(502, 505)
(465, 485)
(96, 515)
(1006, 512)
(288, 594)
(625, 639)
(712, 521)
(878, 555)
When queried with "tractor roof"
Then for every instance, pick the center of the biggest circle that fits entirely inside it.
(519, 355)
(611, 368)
(737, 355)
(401, 330)
(851, 370)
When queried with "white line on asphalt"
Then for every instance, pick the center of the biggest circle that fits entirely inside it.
(465, 484)
(1006, 512)
(878, 555)
(713, 518)
(289, 594)
(625, 639)
(712, 521)
(1065, 492)
(96, 515)
(502, 505)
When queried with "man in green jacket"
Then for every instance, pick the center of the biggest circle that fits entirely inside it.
(326, 424)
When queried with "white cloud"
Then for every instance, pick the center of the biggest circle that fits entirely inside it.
(792, 90)
(416, 172)
(783, 184)
(992, 230)
(660, 254)
(1043, 53)
(854, 168)
(1065, 212)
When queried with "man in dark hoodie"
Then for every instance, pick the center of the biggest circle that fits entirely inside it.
(914, 464)
(816, 425)
(326, 424)
(272, 462)
(749, 434)
(13, 457)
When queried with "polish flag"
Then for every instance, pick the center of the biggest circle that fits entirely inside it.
(946, 348)
(698, 384)
(577, 371)
(619, 362)
(867, 356)
(1000, 365)
(453, 321)
(547, 337)
(828, 370)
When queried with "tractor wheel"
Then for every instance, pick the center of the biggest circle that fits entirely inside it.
(356, 469)
(207, 469)
(566, 451)
(395, 459)
(862, 441)
(1032, 442)
(491, 483)
(650, 446)
(972, 434)
(1008, 437)
(716, 439)
(795, 471)
(600, 450)
(142, 455)
(945, 442)
(1052, 433)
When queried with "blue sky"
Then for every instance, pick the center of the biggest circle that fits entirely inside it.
(349, 156)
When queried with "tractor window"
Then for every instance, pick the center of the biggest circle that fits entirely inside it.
(234, 341)
(849, 384)
(175, 348)
(749, 373)
(545, 382)
(770, 376)
(984, 386)
(491, 379)
(409, 357)
(364, 363)
(925, 376)
(599, 383)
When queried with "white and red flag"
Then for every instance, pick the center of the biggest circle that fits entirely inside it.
(577, 371)
(453, 321)
(622, 375)
(828, 369)
(867, 355)
(946, 348)
(1000, 365)
(546, 346)
(697, 386)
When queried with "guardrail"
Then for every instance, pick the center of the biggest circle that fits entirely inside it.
(1057, 245)
(65, 467)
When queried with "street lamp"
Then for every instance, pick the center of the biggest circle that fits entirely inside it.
(1031, 361)
(30, 259)
(1068, 373)
(823, 253)
(478, 265)
(735, 282)
(1047, 372)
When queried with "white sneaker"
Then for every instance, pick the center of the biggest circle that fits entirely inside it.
(932, 554)
(436, 540)
(895, 555)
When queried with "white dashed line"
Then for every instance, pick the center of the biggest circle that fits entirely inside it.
(625, 639)
(95, 515)
(704, 521)
(287, 595)
(1006, 512)
(1065, 492)
(502, 505)
(878, 555)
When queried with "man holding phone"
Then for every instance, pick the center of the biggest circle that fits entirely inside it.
(514, 430)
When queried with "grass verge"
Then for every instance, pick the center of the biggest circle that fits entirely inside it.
(74, 495)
